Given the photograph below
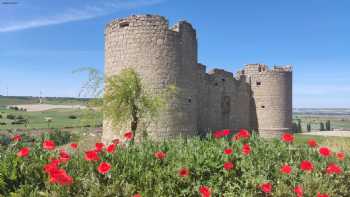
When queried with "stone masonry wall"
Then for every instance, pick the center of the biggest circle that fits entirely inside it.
(204, 102)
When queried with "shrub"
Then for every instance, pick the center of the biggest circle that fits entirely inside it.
(152, 169)
(72, 117)
(0, 116)
(10, 116)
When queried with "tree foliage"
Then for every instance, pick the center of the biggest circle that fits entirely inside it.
(127, 100)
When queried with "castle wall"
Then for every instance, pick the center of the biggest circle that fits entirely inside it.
(161, 57)
(257, 98)
(272, 95)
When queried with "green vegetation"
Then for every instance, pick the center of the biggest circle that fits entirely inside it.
(60, 118)
(128, 101)
(136, 169)
(331, 122)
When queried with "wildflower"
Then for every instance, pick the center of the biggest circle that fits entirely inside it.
(266, 187)
(61, 177)
(325, 151)
(242, 134)
(298, 190)
(51, 167)
(74, 145)
(49, 145)
(16, 138)
(228, 151)
(24, 152)
(306, 165)
(204, 191)
(160, 155)
(99, 146)
(104, 168)
(111, 148)
(246, 149)
(287, 137)
(184, 172)
(64, 156)
(312, 143)
(137, 195)
(286, 169)
(228, 165)
(334, 169)
(128, 135)
(321, 195)
(91, 156)
(340, 156)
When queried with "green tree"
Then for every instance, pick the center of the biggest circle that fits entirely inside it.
(322, 126)
(328, 125)
(127, 100)
(299, 126)
(308, 127)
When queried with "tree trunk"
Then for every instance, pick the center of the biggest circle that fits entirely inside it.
(134, 121)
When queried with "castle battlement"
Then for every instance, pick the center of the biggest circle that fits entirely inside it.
(256, 97)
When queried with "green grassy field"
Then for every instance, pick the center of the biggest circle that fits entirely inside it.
(60, 118)
(337, 122)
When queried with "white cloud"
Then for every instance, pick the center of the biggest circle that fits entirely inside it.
(76, 14)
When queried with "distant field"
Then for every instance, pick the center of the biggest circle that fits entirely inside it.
(340, 118)
(60, 118)
(22, 100)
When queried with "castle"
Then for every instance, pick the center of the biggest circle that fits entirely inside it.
(255, 98)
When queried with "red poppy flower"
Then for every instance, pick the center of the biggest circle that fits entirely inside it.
(99, 146)
(204, 191)
(184, 172)
(61, 177)
(340, 156)
(137, 195)
(312, 143)
(226, 132)
(16, 138)
(287, 137)
(91, 155)
(160, 155)
(74, 145)
(24, 152)
(218, 134)
(64, 156)
(111, 148)
(51, 167)
(266, 187)
(104, 168)
(298, 190)
(325, 151)
(286, 169)
(322, 195)
(228, 165)
(334, 169)
(228, 151)
(306, 165)
(128, 135)
(49, 145)
(242, 134)
(246, 149)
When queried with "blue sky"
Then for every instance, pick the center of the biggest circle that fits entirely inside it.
(42, 42)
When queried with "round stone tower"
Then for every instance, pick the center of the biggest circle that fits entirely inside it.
(162, 57)
(271, 105)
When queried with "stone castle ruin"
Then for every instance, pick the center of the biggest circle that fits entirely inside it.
(256, 97)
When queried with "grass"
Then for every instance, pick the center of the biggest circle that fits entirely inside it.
(340, 143)
(60, 118)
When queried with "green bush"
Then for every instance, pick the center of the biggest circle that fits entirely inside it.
(72, 117)
(134, 169)
(10, 116)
